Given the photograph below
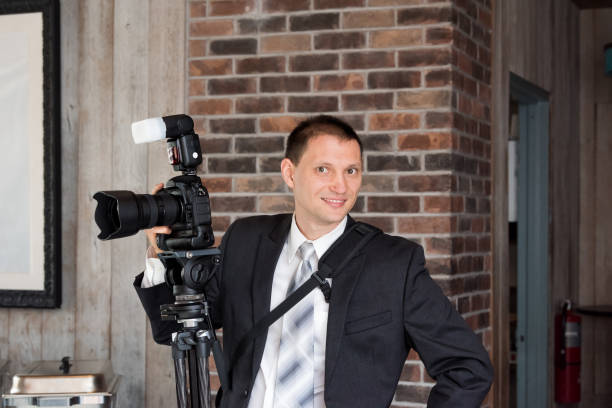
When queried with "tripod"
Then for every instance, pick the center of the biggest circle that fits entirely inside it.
(191, 346)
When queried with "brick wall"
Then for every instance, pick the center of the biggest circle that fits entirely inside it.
(412, 76)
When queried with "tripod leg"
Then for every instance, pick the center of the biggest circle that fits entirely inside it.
(180, 376)
(203, 351)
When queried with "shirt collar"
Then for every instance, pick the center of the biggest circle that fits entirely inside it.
(321, 244)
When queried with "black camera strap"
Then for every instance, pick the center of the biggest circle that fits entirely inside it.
(330, 265)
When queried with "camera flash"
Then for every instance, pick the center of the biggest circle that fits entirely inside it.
(148, 130)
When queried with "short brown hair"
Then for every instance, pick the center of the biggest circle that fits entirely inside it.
(309, 128)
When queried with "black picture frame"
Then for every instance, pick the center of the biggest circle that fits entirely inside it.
(50, 296)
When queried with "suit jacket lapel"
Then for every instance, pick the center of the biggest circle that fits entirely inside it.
(342, 291)
(268, 252)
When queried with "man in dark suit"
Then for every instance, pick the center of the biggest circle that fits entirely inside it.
(348, 352)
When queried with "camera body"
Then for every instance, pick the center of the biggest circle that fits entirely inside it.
(192, 229)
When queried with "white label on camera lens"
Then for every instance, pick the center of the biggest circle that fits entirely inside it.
(195, 155)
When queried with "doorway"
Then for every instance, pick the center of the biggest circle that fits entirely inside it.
(528, 220)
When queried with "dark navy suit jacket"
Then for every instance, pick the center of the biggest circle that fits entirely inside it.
(383, 303)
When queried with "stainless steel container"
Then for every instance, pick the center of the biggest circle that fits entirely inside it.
(88, 384)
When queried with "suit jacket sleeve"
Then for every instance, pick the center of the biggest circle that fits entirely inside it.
(152, 298)
(453, 355)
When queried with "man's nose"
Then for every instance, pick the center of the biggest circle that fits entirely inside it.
(339, 184)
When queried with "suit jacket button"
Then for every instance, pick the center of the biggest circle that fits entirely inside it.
(245, 393)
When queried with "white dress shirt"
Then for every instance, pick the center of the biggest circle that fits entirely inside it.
(262, 395)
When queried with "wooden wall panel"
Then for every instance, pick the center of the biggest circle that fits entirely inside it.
(93, 310)
(128, 169)
(537, 41)
(58, 325)
(166, 96)
(595, 283)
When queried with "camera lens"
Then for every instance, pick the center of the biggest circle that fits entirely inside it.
(123, 213)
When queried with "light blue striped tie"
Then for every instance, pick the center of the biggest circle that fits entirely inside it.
(295, 371)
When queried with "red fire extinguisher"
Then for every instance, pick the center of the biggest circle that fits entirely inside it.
(567, 355)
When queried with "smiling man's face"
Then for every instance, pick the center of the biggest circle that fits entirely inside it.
(325, 183)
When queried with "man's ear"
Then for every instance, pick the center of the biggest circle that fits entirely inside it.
(287, 172)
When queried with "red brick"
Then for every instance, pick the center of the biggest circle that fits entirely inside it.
(231, 165)
(443, 204)
(232, 126)
(424, 56)
(211, 28)
(197, 48)
(348, 82)
(394, 79)
(232, 204)
(265, 104)
(424, 15)
(396, 38)
(375, 183)
(231, 7)
(278, 124)
(220, 66)
(425, 141)
(365, 60)
(260, 65)
(313, 104)
(252, 144)
(368, 18)
(426, 225)
(310, 22)
(228, 86)
(215, 145)
(439, 35)
(424, 99)
(438, 77)
(197, 9)
(329, 4)
(220, 223)
(276, 6)
(393, 2)
(441, 183)
(438, 120)
(393, 121)
(369, 101)
(439, 246)
(314, 62)
(234, 46)
(411, 372)
(393, 204)
(217, 184)
(268, 164)
(197, 87)
(261, 184)
(210, 106)
(276, 204)
(335, 41)
(284, 84)
(413, 393)
(262, 25)
(484, 18)
(285, 43)
(394, 162)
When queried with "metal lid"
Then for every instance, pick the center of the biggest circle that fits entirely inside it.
(47, 377)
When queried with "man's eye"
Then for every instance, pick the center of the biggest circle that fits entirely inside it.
(352, 171)
(322, 169)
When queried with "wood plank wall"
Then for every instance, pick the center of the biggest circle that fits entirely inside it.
(538, 41)
(121, 61)
(595, 284)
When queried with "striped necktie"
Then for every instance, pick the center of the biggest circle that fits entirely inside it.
(295, 371)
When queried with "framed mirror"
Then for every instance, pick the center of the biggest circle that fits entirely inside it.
(30, 190)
